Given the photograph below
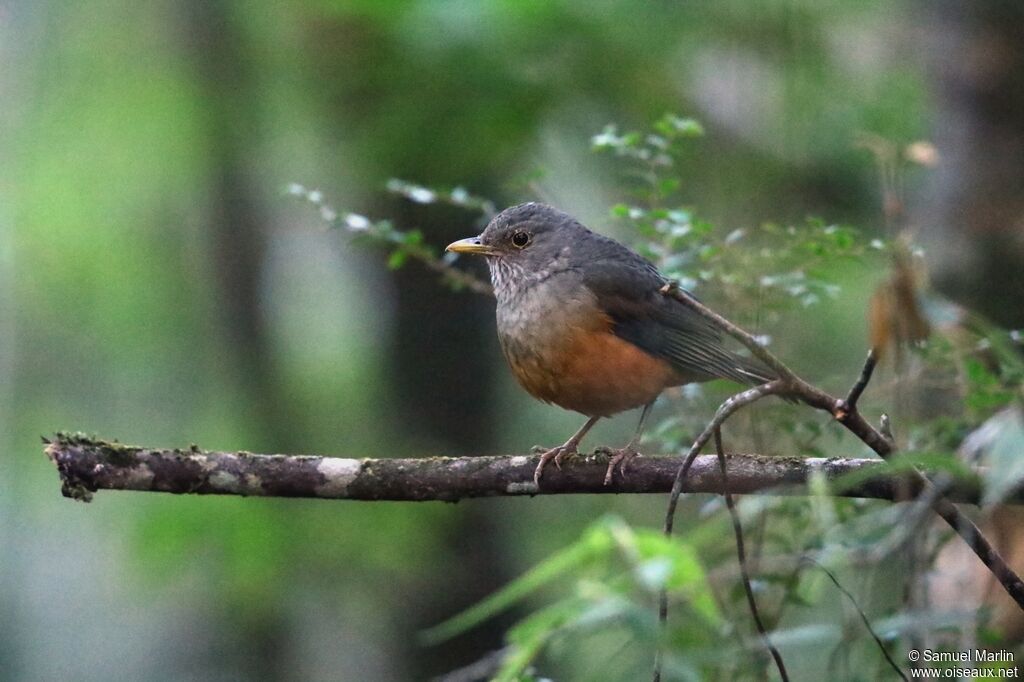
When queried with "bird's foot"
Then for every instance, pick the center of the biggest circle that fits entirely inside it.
(619, 458)
(567, 449)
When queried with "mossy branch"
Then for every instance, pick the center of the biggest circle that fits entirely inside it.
(88, 464)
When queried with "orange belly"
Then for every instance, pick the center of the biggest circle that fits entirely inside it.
(593, 372)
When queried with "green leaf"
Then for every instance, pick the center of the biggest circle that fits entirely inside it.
(667, 186)
(675, 564)
(397, 259)
(676, 126)
(595, 544)
(631, 139)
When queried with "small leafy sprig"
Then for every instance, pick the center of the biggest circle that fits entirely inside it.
(457, 196)
(616, 569)
(651, 154)
(773, 264)
(402, 244)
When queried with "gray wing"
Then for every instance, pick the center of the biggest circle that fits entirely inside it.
(627, 289)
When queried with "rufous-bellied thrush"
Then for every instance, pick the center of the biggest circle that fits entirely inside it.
(584, 324)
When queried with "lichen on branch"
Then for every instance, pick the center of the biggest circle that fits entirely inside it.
(88, 464)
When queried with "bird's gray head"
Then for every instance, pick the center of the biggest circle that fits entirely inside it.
(526, 242)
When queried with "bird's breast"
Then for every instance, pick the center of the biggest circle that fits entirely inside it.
(560, 346)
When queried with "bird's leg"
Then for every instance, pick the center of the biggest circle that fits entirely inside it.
(559, 452)
(622, 456)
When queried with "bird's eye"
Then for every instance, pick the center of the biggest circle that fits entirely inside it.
(520, 239)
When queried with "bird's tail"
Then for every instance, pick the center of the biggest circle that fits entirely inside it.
(750, 371)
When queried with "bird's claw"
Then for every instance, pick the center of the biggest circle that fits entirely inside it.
(558, 454)
(619, 458)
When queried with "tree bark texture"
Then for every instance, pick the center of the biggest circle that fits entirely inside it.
(87, 465)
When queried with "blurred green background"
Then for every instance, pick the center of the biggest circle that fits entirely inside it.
(158, 286)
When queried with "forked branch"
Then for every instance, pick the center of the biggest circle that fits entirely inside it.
(846, 413)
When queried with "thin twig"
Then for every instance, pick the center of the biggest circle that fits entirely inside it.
(741, 555)
(725, 410)
(860, 612)
(862, 382)
(885, 426)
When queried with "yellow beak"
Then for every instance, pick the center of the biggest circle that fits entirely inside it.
(471, 245)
